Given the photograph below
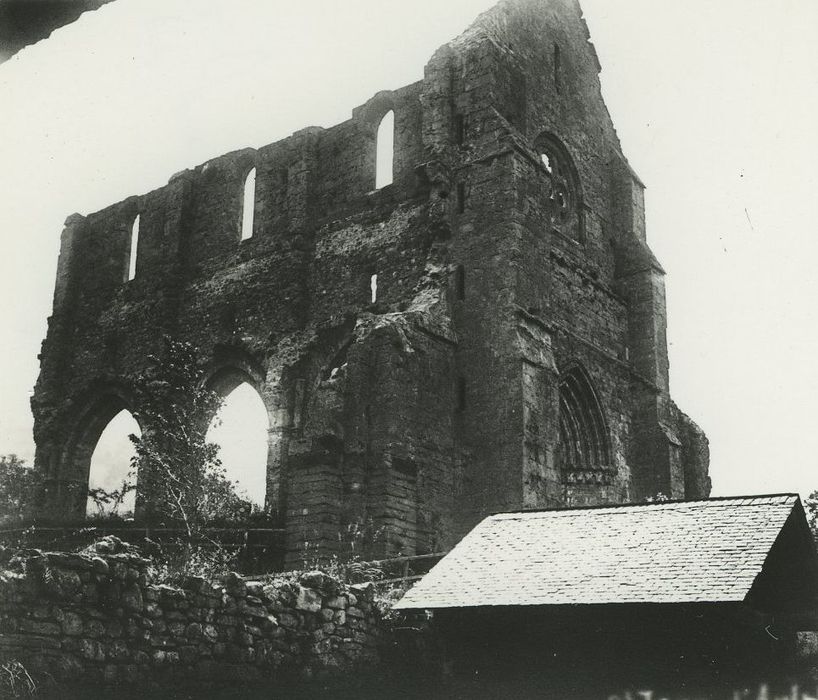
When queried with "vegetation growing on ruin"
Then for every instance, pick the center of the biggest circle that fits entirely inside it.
(17, 486)
(811, 506)
(181, 480)
(15, 680)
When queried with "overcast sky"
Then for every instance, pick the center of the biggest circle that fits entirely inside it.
(715, 102)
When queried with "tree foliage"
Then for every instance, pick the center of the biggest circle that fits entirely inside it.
(811, 507)
(181, 479)
(18, 484)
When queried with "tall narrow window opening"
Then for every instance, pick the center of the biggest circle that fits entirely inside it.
(373, 288)
(557, 68)
(134, 248)
(459, 129)
(385, 151)
(248, 205)
(460, 282)
(460, 397)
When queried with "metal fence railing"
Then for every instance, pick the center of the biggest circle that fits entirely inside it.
(257, 550)
(406, 570)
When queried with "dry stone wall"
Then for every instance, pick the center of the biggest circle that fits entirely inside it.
(100, 618)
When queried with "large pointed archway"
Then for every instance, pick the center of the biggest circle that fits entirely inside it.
(251, 428)
(96, 453)
(111, 483)
(241, 429)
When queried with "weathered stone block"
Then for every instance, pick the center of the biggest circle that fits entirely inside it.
(72, 624)
(111, 673)
(67, 560)
(62, 584)
(255, 589)
(308, 600)
(94, 628)
(92, 650)
(113, 628)
(100, 566)
(38, 627)
(165, 658)
(188, 654)
(132, 598)
(321, 582)
(11, 642)
(354, 612)
(336, 602)
(119, 651)
(288, 620)
(177, 629)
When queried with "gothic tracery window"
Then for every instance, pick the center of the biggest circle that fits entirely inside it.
(583, 452)
(565, 192)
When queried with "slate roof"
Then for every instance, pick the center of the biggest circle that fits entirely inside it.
(674, 552)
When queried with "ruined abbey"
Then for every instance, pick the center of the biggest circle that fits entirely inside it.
(480, 329)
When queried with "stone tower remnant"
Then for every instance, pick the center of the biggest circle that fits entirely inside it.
(485, 333)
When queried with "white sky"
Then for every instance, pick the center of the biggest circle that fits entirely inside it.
(715, 101)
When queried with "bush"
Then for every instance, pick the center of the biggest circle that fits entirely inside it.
(811, 507)
(18, 486)
(175, 563)
(15, 680)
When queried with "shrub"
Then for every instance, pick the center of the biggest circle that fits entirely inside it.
(15, 680)
(18, 485)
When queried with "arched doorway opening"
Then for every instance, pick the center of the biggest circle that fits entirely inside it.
(110, 469)
(241, 429)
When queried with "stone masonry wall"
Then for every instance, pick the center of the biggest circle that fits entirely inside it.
(99, 618)
(510, 252)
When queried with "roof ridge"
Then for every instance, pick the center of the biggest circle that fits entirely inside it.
(652, 504)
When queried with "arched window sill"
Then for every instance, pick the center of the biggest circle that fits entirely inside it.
(597, 476)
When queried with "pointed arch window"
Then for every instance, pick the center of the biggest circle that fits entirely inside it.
(248, 205)
(97, 456)
(241, 428)
(584, 449)
(385, 151)
(111, 485)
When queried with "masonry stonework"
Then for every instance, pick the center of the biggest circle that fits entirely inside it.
(101, 618)
(515, 355)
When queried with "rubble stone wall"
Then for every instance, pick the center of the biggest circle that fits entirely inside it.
(100, 618)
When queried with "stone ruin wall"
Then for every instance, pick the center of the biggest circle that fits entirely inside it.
(99, 619)
(440, 402)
